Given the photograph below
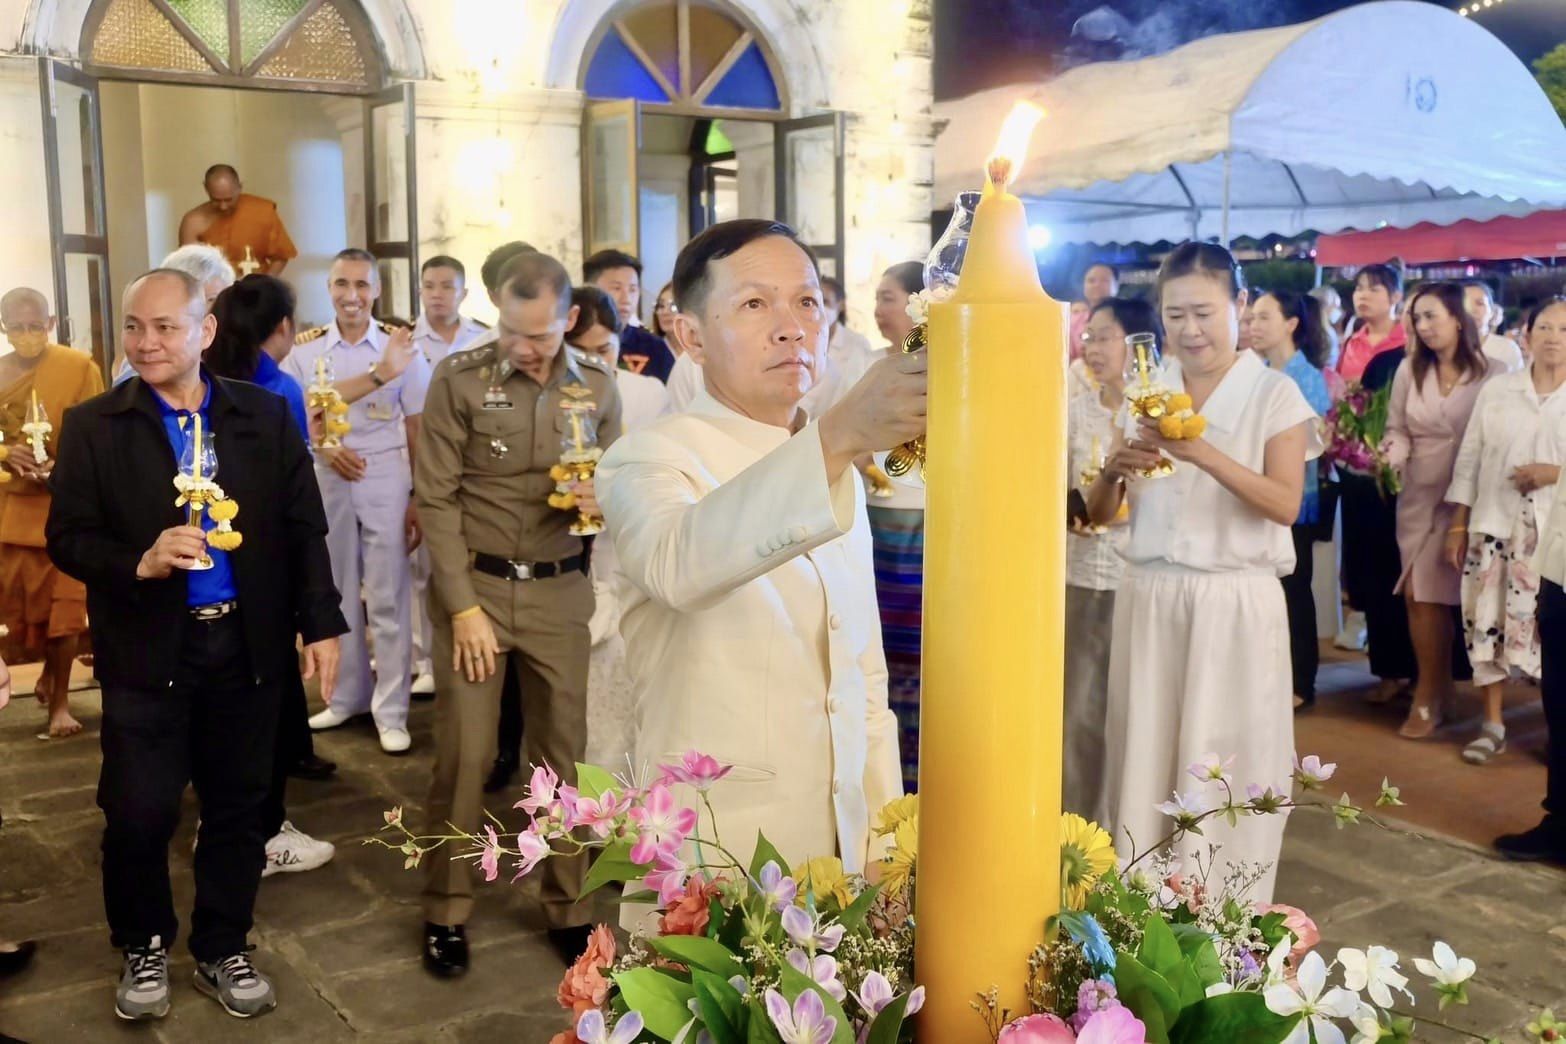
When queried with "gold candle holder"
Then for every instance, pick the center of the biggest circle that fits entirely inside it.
(1146, 395)
(579, 461)
(323, 396)
(901, 461)
(38, 429)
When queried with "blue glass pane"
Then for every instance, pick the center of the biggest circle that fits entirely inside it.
(617, 73)
(748, 85)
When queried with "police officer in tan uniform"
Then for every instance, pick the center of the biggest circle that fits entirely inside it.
(508, 578)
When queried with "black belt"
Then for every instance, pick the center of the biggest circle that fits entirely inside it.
(506, 569)
(214, 611)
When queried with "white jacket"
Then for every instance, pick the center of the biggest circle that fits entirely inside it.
(749, 615)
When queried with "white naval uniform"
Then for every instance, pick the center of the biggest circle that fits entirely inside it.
(365, 522)
(434, 348)
(748, 608)
(1199, 661)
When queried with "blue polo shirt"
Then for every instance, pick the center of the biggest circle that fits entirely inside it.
(270, 376)
(205, 586)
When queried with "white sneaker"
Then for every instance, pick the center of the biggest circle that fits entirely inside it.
(292, 851)
(330, 718)
(1352, 636)
(395, 741)
(423, 685)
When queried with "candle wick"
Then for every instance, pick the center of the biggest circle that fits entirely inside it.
(999, 171)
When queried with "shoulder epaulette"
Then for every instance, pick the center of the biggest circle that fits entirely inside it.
(591, 361)
(470, 356)
(387, 327)
(304, 336)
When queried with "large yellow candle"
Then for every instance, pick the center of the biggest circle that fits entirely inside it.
(994, 604)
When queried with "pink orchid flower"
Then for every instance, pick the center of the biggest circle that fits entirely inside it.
(661, 827)
(875, 993)
(806, 1023)
(804, 930)
(598, 814)
(533, 849)
(821, 970)
(697, 769)
(667, 877)
(489, 858)
(541, 791)
(778, 889)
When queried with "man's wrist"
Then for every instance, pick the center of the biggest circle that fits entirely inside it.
(467, 613)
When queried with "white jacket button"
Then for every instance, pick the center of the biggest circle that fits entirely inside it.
(837, 788)
(834, 705)
(798, 534)
(763, 549)
(834, 621)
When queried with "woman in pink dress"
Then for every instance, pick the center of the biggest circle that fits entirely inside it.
(1432, 397)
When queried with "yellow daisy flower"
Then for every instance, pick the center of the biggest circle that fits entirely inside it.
(896, 813)
(899, 862)
(1086, 854)
(824, 877)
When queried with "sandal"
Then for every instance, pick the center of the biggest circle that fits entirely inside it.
(1389, 691)
(1490, 743)
(1421, 723)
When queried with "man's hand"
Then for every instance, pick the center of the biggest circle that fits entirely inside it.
(885, 409)
(474, 648)
(345, 462)
(586, 498)
(398, 355)
(413, 533)
(176, 548)
(320, 659)
(23, 463)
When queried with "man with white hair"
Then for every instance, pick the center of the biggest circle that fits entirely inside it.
(207, 266)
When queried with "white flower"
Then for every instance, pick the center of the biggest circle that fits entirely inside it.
(1187, 806)
(1447, 969)
(1218, 989)
(918, 308)
(1374, 970)
(1367, 1025)
(1276, 972)
(1212, 769)
(1318, 1010)
(1310, 772)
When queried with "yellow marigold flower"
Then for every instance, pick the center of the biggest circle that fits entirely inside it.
(1086, 854)
(229, 541)
(223, 510)
(562, 501)
(560, 473)
(5, 476)
(1179, 401)
(338, 407)
(824, 877)
(1169, 427)
(899, 862)
(1193, 427)
(896, 813)
(337, 427)
(5, 451)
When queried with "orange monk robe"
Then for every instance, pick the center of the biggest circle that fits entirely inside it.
(37, 601)
(253, 223)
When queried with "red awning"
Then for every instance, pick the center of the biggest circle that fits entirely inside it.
(1537, 235)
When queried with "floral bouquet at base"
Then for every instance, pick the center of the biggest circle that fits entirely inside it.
(1356, 432)
(753, 953)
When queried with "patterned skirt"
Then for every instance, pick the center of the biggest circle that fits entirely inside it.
(898, 536)
(1500, 602)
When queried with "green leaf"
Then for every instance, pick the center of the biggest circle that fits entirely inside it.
(794, 983)
(613, 864)
(765, 854)
(1149, 996)
(1234, 1018)
(721, 1007)
(853, 918)
(732, 933)
(697, 951)
(1160, 950)
(889, 1024)
(592, 781)
(662, 999)
(759, 1030)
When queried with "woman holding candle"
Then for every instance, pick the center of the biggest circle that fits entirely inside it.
(1433, 395)
(1199, 657)
(1503, 488)
(1093, 553)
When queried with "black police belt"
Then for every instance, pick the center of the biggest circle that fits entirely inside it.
(493, 565)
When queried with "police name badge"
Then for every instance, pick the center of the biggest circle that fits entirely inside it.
(495, 397)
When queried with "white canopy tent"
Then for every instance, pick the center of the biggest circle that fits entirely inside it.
(1388, 113)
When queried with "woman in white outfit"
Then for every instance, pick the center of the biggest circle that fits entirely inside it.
(1199, 661)
(611, 708)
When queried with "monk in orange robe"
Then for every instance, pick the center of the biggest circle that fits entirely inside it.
(44, 611)
(246, 228)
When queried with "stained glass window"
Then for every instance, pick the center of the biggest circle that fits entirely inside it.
(291, 41)
(686, 54)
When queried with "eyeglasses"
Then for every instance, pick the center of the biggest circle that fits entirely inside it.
(18, 328)
(666, 306)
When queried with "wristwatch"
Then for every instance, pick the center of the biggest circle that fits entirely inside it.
(375, 377)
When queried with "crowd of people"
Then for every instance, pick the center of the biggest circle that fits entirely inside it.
(756, 590)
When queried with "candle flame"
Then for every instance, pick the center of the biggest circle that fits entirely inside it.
(1011, 147)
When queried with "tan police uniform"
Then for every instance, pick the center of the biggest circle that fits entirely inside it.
(489, 437)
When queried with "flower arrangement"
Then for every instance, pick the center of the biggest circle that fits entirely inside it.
(1179, 421)
(1356, 433)
(1149, 952)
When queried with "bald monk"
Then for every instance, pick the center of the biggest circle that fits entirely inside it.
(234, 222)
(44, 610)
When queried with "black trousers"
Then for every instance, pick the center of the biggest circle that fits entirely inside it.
(509, 734)
(214, 727)
(1552, 686)
(1304, 650)
(294, 742)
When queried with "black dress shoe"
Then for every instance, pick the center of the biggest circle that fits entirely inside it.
(1545, 843)
(445, 949)
(501, 773)
(313, 768)
(13, 961)
(570, 943)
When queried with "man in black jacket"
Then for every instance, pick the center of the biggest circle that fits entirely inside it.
(190, 660)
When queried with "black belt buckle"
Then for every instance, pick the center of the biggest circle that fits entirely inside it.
(214, 611)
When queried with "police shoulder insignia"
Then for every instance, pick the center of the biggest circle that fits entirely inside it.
(590, 360)
(305, 336)
(392, 325)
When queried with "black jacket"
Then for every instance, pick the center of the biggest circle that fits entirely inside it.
(113, 493)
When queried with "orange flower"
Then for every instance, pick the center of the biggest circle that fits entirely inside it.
(688, 914)
(584, 986)
(1169, 427)
(1193, 427)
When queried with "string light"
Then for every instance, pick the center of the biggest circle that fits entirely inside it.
(1475, 7)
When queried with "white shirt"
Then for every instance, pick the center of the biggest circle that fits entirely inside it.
(1187, 520)
(751, 628)
(684, 383)
(1550, 560)
(375, 421)
(434, 346)
(1093, 561)
(1504, 350)
(643, 399)
(1510, 426)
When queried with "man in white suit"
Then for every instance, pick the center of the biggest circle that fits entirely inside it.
(745, 577)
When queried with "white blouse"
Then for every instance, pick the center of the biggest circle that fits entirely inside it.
(1511, 426)
(1187, 520)
(1093, 560)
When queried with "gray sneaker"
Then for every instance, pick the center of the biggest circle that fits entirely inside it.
(143, 992)
(234, 983)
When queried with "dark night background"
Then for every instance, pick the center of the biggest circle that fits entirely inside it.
(988, 43)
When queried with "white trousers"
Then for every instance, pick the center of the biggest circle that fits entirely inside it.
(423, 630)
(369, 549)
(1199, 664)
